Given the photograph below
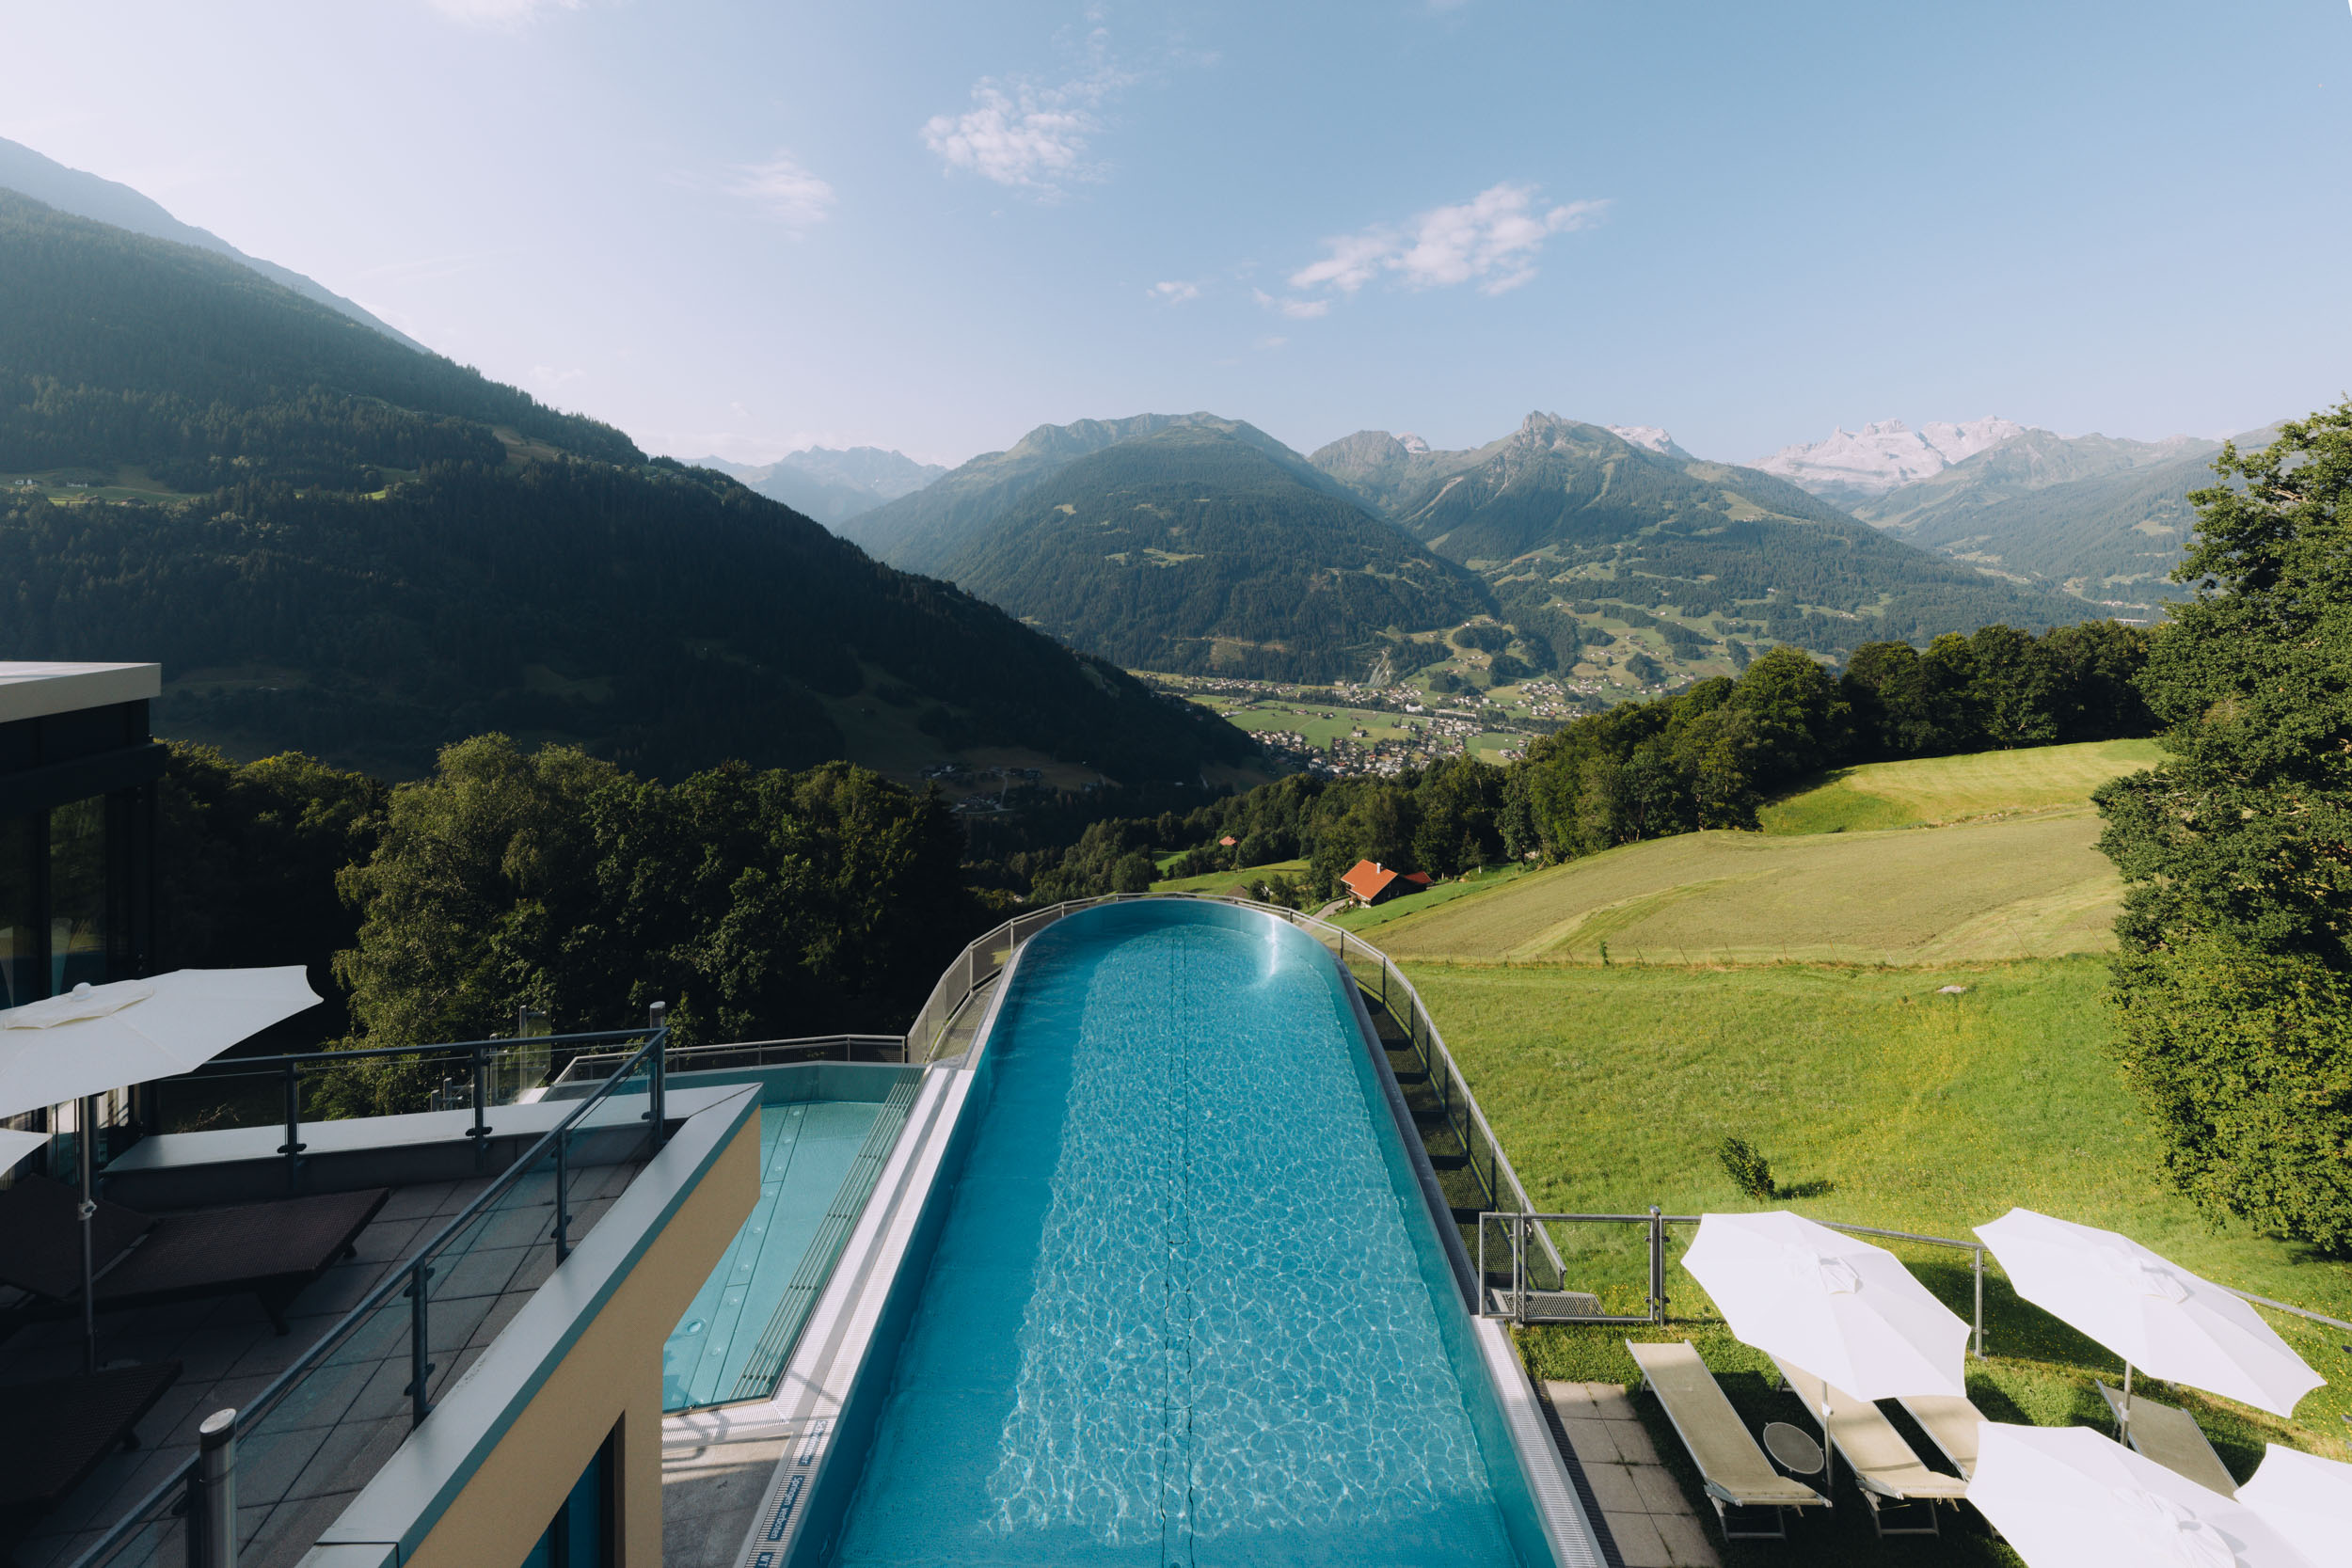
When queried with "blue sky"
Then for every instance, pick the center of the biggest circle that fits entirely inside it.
(739, 228)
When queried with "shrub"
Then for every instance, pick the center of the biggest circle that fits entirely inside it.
(1749, 1170)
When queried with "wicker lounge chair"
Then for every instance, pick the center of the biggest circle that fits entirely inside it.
(1734, 1472)
(1882, 1464)
(2172, 1438)
(1951, 1424)
(269, 1250)
(53, 1433)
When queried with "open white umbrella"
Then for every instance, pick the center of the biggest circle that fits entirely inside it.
(1845, 1310)
(97, 1039)
(2069, 1497)
(15, 1145)
(2156, 1315)
(2305, 1499)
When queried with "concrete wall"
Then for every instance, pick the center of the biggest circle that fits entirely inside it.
(612, 1377)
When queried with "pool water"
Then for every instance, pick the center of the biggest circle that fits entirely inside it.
(817, 1162)
(1178, 1311)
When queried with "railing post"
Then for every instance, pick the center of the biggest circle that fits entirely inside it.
(1518, 1269)
(213, 1494)
(1657, 1265)
(656, 1110)
(563, 1197)
(420, 1325)
(480, 1133)
(292, 1148)
(1979, 1271)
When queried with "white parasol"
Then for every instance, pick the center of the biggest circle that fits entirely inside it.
(98, 1039)
(2156, 1315)
(2308, 1500)
(2066, 1497)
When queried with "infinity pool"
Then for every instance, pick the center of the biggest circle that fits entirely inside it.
(1186, 1304)
(819, 1158)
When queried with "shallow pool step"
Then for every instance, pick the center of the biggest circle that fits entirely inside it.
(1412, 1075)
(1431, 1115)
(1449, 1161)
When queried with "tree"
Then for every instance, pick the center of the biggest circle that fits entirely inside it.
(2234, 987)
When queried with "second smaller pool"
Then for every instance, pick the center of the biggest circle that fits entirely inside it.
(825, 1130)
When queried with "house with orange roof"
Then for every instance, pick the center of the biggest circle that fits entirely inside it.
(1373, 883)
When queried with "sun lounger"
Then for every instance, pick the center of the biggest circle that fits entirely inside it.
(53, 1433)
(1953, 1425)
(1733, 1469)
(2172, 1438)
(1881, 1464)
(269, 1250)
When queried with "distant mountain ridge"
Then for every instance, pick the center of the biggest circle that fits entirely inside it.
(88, 196)
(1205, 548)
(1850, 466)
(832, 485)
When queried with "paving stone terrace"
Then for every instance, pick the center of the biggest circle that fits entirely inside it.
(333, 1435)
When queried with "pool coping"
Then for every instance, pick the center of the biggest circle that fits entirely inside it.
(835, 1347)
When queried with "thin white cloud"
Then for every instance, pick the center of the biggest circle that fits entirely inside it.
(1296, 309)
(500, 15)
(1491, 240)
(792, 196)
(1028, 135)
(1174, 294)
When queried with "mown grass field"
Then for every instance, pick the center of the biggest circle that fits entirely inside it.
(1242, 883)
(2027, 887)
(1481, 881)
(1935, 790)
(1887, 1104)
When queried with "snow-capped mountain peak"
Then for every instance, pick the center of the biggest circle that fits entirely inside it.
(1412, 443)
(1649, 437)
(1883, 455)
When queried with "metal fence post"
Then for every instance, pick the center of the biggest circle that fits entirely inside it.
(1657, 1265)
(1518, 1269)
(563, 1197)
(1979, 1271)
(420, 1325)
(213, 1494)
(480, 1133)
(292, 1148)
(657, 1020)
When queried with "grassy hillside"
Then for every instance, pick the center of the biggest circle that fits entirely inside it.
(1933, 791)
(2027, 887)
(1882, 1103)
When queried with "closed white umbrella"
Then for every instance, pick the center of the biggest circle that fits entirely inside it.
(2071, 1497)
(1845, 1310)
(2156, 1315)
(2305, 1499)
(97, 1039)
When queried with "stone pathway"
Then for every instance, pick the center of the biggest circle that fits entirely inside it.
(1645, 1510)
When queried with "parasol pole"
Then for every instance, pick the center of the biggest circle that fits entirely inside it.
(2123, 1417)
(89, 1160)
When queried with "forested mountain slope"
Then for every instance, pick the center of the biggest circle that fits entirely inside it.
(1196, 550)
(70, 190)
(367, 552)
(1571, 523)
(926, 530)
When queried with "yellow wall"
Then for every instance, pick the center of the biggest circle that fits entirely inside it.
(612, 1377)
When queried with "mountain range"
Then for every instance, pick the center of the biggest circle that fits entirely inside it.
(831, 485)
(70, 190)
(2097, 516)
(1198, 543)
(335, 543)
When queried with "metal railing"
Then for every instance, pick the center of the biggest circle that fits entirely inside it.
(887, 1049)
(330, 1382)
(479, 1075)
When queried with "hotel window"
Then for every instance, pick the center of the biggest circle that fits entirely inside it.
(580, 1534)
(20, 911)
(77, 895)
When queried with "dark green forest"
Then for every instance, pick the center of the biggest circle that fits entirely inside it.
(401, 575)
(1193, 551)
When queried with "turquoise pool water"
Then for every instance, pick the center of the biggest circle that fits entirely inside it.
(818, 1160)
(1184, 1306)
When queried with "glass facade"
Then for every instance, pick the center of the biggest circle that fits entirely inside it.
(580, 1534)
(20, 910)
(77, 895)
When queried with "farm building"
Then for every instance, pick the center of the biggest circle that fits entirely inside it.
(1375, 883)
